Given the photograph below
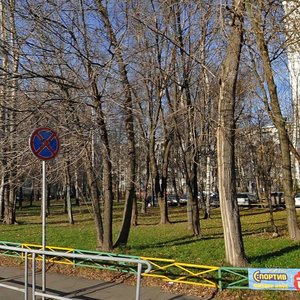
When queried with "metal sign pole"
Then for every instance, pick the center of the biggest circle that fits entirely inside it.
(44, 227)
(44, 144)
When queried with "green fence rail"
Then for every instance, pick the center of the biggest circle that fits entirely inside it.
(103, 265)
(233, 278)
(165, 269)
(9, 252)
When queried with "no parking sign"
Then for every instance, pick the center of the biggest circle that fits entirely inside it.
(44, 143)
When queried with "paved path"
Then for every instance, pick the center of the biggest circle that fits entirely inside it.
(81, 288)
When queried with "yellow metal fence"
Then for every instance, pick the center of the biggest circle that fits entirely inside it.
(171, 271)
(54, 259)
(168, 270)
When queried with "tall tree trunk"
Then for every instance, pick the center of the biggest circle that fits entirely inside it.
(10, 66)
(193, 202)
(68, 193)
(292, 11)
(164, 218)
(270, 205)
(2, 189)
(190, 153)
(134, 216)
(3, 89)
(48, 200)
(207, 187)
(107, 242)
(31, 194)
(99, 117)
(144, 203)
(108, 189)
(94, 193)
(275, 114)
(76, 187)
(234, 246)
(10, 206)
(21, 198)
(158, 193)
(129, 127)
(207, 120)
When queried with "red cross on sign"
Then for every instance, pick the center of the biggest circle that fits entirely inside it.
(44, 143)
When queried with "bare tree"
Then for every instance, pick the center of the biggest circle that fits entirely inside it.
(272, 105)
(155, 69)
(129, 126)
(190, 141)
(234, 246)
(9, 88)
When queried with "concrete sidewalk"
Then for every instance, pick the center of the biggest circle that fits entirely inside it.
(80, 288)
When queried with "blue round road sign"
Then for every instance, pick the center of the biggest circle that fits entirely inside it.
(44, 143)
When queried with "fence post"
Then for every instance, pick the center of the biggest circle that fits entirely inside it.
(220, 279)
(26, 277)
(138, 281)
(33, 276)
(32, 254)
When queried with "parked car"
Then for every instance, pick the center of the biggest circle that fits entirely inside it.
(297, 200)
(246, 199)
(183, 199)
(172, 200)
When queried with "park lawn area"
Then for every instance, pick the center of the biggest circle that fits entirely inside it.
(173, 241)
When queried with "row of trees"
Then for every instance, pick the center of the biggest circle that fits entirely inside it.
(148, 96)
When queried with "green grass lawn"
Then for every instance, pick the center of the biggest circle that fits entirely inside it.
(163, 241)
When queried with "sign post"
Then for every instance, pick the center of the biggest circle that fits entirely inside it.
(44, 144)
(44, 200)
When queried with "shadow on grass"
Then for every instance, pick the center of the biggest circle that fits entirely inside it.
(244, 212)
(215, 236)
(174, 242)
(267, 223)
(57, 222)
(155, 223)
(67, 221)
(179, 241)
(277, 253)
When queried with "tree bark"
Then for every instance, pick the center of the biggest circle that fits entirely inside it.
(234, 246)
(162, 197)
(10, 206)
(2, 189)
(68, 193)
(94, 193)
(10, 64)
(107, 242)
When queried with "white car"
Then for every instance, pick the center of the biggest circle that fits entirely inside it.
(243, 199)
(246, 199)
(297, 200)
